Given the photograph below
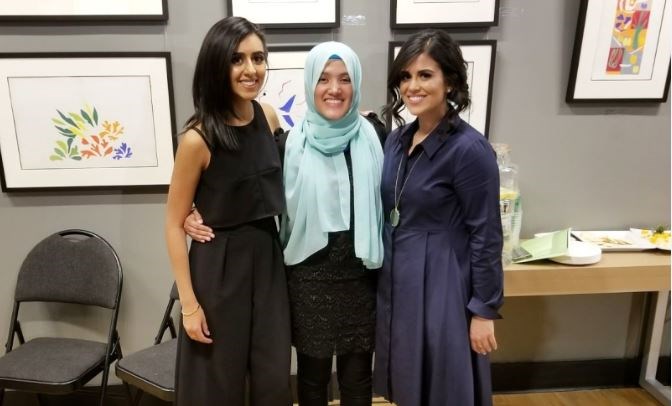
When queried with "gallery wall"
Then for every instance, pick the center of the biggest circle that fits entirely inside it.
(602, 166)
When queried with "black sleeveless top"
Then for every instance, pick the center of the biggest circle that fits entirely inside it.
(245, 185)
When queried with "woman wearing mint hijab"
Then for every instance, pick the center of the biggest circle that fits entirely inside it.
(331, 231)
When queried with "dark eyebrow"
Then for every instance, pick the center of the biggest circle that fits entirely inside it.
(256, 53)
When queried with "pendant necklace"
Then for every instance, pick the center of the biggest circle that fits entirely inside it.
(394, 213)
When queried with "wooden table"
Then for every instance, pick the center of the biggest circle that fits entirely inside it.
(617, 272)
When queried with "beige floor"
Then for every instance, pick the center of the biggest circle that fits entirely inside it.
(598, 397)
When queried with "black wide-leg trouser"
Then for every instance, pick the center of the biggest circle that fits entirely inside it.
(239, 280)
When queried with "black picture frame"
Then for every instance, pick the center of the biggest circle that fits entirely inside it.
(86, 121)
(477, 14)
(595, 74)
(69, 16)
(480, 56)
(312, 16)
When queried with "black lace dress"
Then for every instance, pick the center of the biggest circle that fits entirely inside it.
(333, 298)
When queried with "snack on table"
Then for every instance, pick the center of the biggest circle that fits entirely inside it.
(659, 236)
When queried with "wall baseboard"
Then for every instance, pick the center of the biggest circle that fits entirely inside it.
(506, 377)
(527, 376)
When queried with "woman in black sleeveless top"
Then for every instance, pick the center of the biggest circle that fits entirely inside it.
(233, 291)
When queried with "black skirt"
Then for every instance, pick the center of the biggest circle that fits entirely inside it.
(333, 301)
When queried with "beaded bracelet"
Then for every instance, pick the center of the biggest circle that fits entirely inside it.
(198, 306)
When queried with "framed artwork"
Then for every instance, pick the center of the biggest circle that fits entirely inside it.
(284, 87)
(443, 13)
(621, 52)
(84, 11)
(480, 58)
(86, 120)
(288, 13)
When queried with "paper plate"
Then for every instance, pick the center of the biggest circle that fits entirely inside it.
(580, 253)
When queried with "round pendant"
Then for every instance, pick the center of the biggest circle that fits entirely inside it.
(394, 217)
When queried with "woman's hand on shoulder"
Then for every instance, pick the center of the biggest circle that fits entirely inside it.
(271, 117)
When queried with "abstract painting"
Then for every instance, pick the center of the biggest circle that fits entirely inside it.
(628, 40)
(284, 88)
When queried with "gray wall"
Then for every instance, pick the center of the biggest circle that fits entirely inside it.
(590, 167)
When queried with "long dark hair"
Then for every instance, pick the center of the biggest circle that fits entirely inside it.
(446, 52)
(211, 89)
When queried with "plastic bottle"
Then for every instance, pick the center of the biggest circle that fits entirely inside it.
(510, 206)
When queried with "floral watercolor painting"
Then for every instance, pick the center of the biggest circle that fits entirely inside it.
(85, 137)
(84, 122)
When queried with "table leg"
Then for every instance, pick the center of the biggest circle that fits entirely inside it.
(647, 377)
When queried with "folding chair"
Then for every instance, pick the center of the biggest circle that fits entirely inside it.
(152, 370)
(71, 266)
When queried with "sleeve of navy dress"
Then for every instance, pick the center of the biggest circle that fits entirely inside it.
(477, 187)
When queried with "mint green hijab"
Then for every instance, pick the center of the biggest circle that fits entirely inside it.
(317, 187)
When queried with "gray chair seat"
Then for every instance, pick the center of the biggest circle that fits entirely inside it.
(59, 363)
(151, 368)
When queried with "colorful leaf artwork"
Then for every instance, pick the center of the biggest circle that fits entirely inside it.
(85, 137)
(631, 22)
(124, 151)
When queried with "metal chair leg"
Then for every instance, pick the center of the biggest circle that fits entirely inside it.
(103, 386)
(132, 400)
(138, 397)
(129, 395)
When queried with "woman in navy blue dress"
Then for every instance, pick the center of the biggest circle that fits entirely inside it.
(440, 287)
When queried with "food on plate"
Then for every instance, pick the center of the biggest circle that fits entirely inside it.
(659, 236)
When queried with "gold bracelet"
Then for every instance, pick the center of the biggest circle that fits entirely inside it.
(198, 306)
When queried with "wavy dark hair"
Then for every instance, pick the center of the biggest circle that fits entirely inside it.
(211, 88)
(446, 52)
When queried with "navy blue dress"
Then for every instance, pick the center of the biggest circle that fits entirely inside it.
(442, 265)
